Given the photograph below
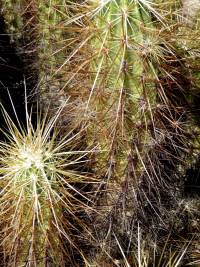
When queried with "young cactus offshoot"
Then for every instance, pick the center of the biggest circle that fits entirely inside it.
(39, 197)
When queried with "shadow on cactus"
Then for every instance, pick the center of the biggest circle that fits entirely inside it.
(42, 191)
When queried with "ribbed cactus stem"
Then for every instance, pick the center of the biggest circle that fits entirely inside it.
(51, 41)
(122, 90)
(36, 26)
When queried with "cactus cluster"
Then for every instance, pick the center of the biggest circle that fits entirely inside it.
(131, 71)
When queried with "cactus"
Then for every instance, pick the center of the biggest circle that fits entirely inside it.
(115, 48)
(12, 15)
(124, 66)
(131, 74)
(39, 198)
(35, 27)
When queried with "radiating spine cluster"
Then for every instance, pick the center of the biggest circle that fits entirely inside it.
(39, 199)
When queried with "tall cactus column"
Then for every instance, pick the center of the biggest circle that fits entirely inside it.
(121, 79)
(117, 51)
(52, 49)
(135, 104)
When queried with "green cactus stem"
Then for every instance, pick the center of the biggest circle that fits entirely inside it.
(121, 47)
(35, 27)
